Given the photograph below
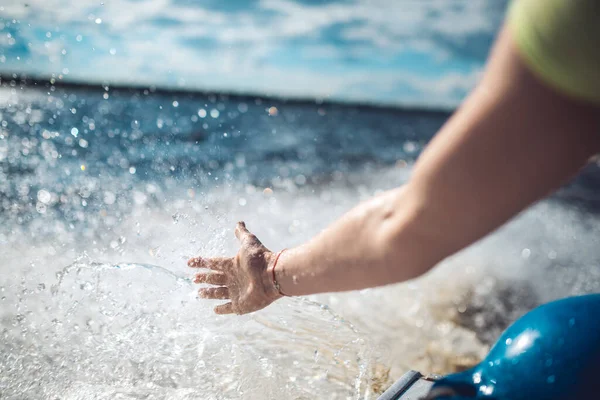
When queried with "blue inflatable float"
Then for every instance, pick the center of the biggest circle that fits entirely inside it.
(551, 353)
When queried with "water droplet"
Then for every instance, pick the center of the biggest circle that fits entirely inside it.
(551, 379)
(300, 180)
(178, 217)
(409, 147)
(44, 196)
(40, 208)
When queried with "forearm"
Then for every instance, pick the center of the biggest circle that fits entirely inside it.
(512, 142)
(359, 250)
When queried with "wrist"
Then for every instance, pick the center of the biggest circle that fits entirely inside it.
(269, 277)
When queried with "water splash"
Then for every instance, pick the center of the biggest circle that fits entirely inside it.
(138, 331)
(155, 187)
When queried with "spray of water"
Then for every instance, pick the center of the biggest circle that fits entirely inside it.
(96, 298)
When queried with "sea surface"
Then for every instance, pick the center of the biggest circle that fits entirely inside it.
(105, 192)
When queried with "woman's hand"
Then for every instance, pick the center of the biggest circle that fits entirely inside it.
(245, 279)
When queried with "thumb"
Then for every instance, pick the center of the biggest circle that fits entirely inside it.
(244, 235)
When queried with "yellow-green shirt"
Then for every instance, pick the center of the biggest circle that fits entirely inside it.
(560, 41)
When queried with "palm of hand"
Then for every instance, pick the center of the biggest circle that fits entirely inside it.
(243, 279)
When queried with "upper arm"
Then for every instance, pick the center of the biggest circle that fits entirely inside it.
(512, 142)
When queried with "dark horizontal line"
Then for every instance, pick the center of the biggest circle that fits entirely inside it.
(29, 81)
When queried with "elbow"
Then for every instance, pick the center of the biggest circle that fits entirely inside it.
(409, 245)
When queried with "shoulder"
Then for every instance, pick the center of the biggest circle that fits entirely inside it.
(559, 41)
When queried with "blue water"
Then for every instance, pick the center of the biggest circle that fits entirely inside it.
(83, 149)
(104, 193)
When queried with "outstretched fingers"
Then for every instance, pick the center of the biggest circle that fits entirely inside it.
(214, 263)
(224, 309)
(212, 278)
(219, 293)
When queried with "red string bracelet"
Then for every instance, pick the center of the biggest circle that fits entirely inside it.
(275, 283)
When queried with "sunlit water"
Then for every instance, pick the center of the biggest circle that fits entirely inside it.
(104, 195)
